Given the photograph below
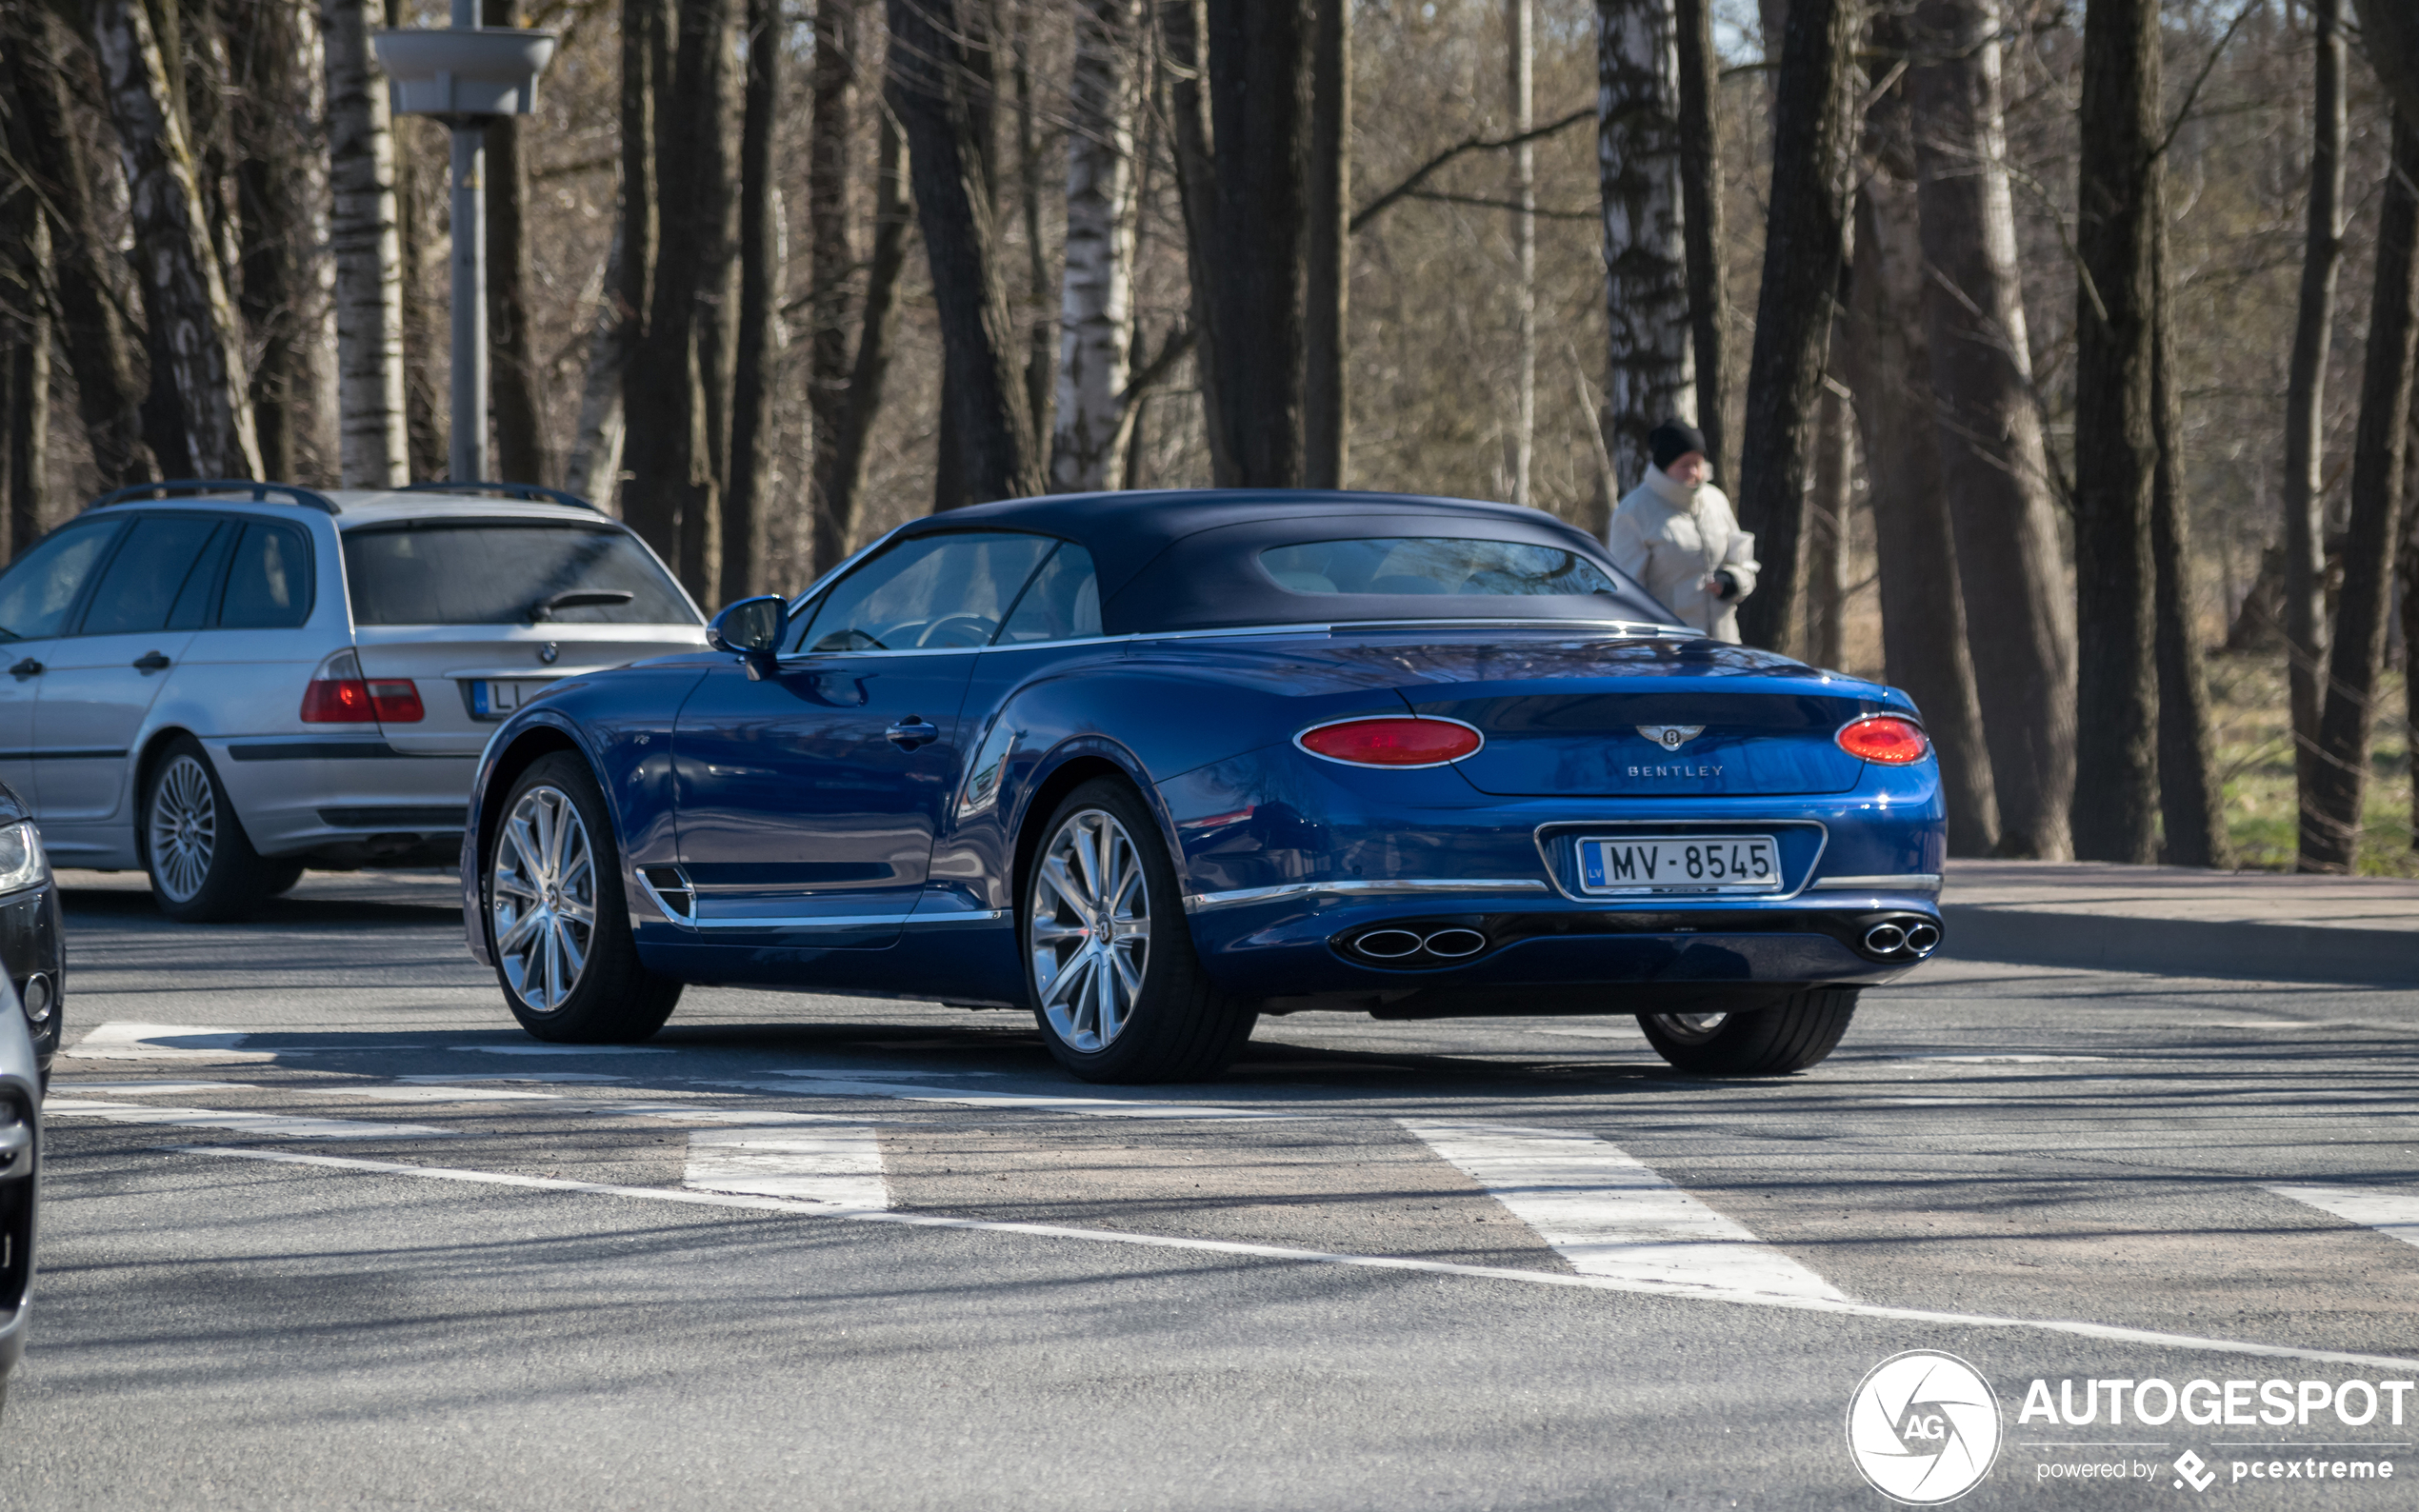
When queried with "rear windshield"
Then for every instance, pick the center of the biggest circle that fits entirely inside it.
(507, 574)
(1433, 564)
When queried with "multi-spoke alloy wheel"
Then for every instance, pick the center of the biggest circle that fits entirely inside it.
(544, 898)
(1089, 930)
(184, 829)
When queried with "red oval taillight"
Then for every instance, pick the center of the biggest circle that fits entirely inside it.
(1887, 739)
(1392, 742)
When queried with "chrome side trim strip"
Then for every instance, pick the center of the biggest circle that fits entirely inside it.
(1362, 890)
(860, 920)
(1624, 628)
(1904, 881)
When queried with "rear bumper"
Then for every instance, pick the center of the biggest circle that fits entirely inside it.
(339, 795)
(1550, 955)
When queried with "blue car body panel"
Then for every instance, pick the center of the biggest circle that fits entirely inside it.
(850, 822)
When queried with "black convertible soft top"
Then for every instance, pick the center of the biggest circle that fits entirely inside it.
(1179, 560)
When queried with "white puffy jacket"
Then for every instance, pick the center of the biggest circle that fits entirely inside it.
(1672, 538)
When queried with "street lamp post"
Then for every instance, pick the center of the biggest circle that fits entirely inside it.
(463, 75)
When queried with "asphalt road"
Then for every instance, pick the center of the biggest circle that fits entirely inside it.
(322, 1231)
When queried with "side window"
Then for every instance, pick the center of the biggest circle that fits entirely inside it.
(1062, 604)
(192, 611)
(36, 593)
(268, 582)
(145, 581)
(936, 590)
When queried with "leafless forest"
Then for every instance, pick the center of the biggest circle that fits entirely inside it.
(2052, 348)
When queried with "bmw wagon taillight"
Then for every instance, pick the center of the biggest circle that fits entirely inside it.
(1391, 742)
(339, 694)
(1885, 739)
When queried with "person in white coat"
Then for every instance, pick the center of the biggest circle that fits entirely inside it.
(1677, 535)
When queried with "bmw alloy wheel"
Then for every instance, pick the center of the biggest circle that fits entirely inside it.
(1087, 931)
(184, 829)
(542, 900)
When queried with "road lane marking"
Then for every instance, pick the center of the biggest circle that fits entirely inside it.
(756, 1117)
(1610, 1214)
(283, 1125)
(553, 1050)
(821, 1085)
(433, 1094)
(139, 1042)
(829, 1167)
(542, 1077)
(2108, 1332)
(142, 1089)
(2392, 1212)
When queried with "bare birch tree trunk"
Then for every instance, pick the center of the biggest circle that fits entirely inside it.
(1700, 202)
(1095, 319)
(191, 316)
(2115, 440)
(363, 230)
(1651, 371)
(593, 470)
(1327, 389)
(2020, 616)
(1827, 531)
(1804, 243)
(101, 350)
(1520, 27)
(830, 259)
(2303, 496)
(2331, 821)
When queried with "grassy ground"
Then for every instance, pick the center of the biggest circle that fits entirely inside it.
(2255, 757)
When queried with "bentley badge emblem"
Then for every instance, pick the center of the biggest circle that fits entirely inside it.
(548, 653)
(1671, 737)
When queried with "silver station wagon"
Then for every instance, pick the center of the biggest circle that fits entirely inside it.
(221, 682)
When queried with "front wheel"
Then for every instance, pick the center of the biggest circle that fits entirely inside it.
(1796, 1033)
(1117, 987)
(560, 922)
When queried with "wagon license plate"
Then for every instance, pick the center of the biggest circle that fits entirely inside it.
(494, 698)
(1685, 863)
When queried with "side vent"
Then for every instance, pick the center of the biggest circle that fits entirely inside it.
(669, 886)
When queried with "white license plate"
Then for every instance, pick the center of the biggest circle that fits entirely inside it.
(492, 698)
(1683, 864)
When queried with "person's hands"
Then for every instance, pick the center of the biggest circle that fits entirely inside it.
(1725, 584)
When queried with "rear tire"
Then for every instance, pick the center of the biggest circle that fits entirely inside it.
(557, 916)
(202, 864)
(1796, 1033)
(1116, 985)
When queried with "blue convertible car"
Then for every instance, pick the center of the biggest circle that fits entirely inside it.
(1151, 764)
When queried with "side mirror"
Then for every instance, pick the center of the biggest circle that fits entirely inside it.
(751, 627)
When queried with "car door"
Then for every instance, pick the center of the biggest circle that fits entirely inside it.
(131, 634)
(808, 791)
(37, 595)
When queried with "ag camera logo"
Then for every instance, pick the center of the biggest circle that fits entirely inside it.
(1923, 1427)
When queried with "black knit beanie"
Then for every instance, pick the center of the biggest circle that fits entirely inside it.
(1673, 439)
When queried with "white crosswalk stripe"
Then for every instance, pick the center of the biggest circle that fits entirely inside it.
(835, 1167)
(825, 1084)
(274, 1125)
(2392, 1212)
(1610, 1215)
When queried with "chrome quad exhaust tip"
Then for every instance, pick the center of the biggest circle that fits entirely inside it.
(1415, 944)
(1908, 939)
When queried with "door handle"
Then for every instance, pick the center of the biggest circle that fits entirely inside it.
(28, 668)
(912, 731)
(151, 662)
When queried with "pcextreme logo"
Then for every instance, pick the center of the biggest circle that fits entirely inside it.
(1923, 1427)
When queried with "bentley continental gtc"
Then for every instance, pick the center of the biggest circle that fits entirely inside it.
(1148, 765)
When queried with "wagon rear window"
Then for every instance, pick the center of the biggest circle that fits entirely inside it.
(1433, 564)
(507, 574)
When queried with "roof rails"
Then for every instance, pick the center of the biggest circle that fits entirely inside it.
(182, 487)
(530, 493)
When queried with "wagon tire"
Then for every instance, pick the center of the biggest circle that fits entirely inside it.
(1795, 1033)
(1115, 982)
(557, 918)
(201, 863)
